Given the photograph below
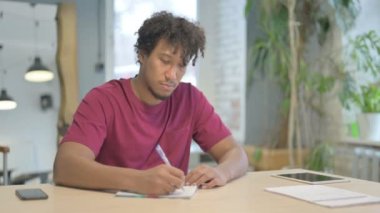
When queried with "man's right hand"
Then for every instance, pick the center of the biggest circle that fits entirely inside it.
(160, 180)
(75, 166)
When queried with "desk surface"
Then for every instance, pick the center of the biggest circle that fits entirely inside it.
(243, 195)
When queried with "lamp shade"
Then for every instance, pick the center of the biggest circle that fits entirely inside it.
(6, 102)
(38, 72)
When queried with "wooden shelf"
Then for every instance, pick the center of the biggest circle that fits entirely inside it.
(360, 142)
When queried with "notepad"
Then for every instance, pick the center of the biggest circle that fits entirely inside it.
(186, 193)
(325, 195)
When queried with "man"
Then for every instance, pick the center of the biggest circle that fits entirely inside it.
(113, 140)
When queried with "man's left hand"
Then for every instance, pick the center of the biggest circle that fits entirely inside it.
(205, 177)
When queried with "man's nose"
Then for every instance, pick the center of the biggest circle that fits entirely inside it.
(171, 73)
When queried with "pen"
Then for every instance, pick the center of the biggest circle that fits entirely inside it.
(163, 157)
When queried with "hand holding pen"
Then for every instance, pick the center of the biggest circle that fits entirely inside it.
(159, 180)
(163, 157)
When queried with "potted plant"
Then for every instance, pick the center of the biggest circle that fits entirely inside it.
(288, 28)
(368, 101)
(364, 56)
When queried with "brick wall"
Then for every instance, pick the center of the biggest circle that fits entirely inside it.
(225, 27)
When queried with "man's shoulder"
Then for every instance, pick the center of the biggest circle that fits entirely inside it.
(110, 86)
(187, 94)
(185, 87)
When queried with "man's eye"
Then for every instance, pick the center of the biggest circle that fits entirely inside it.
(165, 61)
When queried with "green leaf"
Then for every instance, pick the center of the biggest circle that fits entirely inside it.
(321, 158)
(248, 7)
(257, 155)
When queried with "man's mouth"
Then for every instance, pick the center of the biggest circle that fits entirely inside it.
(168, 86)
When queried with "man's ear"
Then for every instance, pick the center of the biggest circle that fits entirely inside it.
(141, 57)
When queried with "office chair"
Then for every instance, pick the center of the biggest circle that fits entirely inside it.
(5, 150)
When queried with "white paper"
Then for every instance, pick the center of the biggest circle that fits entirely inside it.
(325, 195)
(349, 201)
(186, 193)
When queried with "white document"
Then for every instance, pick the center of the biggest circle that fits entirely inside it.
(186, 193)
(325, 195)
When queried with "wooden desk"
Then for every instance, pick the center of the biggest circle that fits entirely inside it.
(243, 195)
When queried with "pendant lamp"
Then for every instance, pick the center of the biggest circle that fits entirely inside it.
(37, 72)
(6, 102)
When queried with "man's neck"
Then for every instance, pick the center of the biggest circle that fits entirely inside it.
(142, 93)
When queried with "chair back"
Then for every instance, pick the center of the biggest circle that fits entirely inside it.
(5, 151)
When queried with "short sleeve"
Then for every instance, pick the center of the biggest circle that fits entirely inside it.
(208, 126)
(89, 123)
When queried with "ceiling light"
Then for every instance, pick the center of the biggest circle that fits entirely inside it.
(37, 72)
(6, 102)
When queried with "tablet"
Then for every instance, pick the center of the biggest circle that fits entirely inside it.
(312, 178)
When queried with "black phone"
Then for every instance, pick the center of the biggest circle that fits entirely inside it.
(31, 194)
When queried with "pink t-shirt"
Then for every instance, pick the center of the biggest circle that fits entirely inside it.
(123, 131)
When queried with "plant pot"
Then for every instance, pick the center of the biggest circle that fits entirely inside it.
(369, 126)
(266, 158)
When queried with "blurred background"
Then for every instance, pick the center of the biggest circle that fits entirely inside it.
(296, 81)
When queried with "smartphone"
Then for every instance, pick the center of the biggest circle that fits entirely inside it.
(31, 194)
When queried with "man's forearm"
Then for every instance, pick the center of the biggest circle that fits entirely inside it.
(81, 172)
(75, 166)
(234, 164)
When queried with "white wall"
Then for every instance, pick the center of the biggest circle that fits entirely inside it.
(368, 19)
(222, 71)
(90, 29)
(29, 131)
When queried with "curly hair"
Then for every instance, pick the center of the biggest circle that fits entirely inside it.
(178, 31)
